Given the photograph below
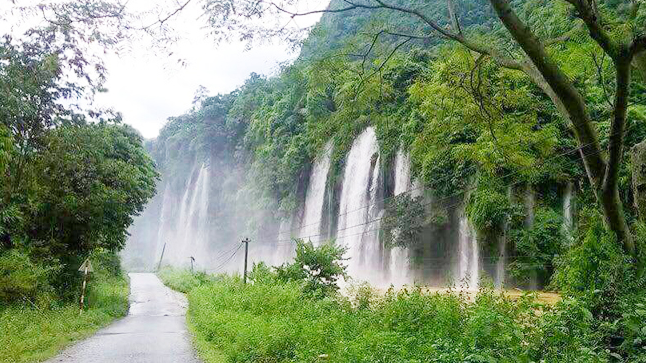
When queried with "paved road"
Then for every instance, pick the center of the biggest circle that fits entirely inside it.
(154, 330)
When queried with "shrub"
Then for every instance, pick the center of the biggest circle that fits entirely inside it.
(21, 279)
(317, 268)
(538, 246)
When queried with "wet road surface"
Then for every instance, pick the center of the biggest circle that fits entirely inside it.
(154, 330)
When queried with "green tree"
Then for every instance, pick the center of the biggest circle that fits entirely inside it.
(318, 268)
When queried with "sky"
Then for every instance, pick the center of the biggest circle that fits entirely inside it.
(147, 87)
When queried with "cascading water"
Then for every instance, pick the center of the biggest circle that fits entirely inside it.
(468, 254)
(314, 199)
(400, 272)
(354, 214)
(174, 242)
(165, 217)
(190, 237)
(568, 219)
(501, 263)
(530, 203)
(499, 280)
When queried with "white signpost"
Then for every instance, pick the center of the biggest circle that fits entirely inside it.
(86, 267)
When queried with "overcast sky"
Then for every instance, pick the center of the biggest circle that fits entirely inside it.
(147, 85)
(148, 88)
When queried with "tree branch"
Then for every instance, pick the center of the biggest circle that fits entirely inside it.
(638, 45)
(476, 47)
(588, 13)
(572, 101)
(166, 18)
(452, 15)
(618, 125)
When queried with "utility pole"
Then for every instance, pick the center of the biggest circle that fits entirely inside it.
(162, 257)
(246, 253)
(192, 260)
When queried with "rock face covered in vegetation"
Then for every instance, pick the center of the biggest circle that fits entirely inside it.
(429, 163)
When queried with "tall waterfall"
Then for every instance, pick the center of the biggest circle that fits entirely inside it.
(530, 204)
(189, 235)
(355, 218)
(165, 217)
(468, 254)
(501, 263)
(568, 218)
(315, 197)
(400, 271)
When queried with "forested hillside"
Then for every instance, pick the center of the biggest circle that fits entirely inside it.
(477, 176)
(482, 139)
(446, 163)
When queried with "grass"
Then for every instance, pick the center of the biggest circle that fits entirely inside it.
(183, 280)
(30, 334)
(273, 321)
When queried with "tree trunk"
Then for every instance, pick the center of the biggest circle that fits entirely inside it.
(551, 79)
(638, 161)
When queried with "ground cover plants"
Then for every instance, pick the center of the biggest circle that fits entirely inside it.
(278, 317)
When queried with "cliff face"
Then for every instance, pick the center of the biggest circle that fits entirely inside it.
(430, 165)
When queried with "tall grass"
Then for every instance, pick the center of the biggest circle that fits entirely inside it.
(183, 280)
(273, 321)
(32, 334)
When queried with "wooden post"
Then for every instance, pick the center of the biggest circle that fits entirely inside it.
(246, 253)
(83, 288)
(162, 257)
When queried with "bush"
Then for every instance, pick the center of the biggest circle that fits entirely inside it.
(21, 279)
(317, 268)
(31, 333)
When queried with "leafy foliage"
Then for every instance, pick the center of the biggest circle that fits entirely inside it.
(404, 221)
(22, 280)
(318, 269)
(72, 178)
(538, 246)
(35, 333)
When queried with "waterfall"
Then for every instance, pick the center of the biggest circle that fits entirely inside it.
(175, 244)
(192, 227)
(354, 214)
(399, 267)
(314, 199)
(501, 263)
(191, 233)
(164, 222)
(402, 173)
(468, 254)
(530, 203)
(568, 219)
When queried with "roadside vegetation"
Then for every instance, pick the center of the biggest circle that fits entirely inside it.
(35, 331)
(71, 180)
(294, 313)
